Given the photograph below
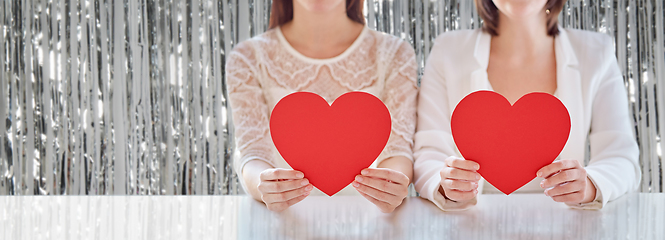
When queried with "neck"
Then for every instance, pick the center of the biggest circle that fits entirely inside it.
(521, 37)
(316, 33)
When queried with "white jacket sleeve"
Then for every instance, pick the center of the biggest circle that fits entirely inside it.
(433, 141)
(613, 165)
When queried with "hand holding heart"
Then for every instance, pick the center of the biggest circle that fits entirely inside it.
(384, 187)
(516, 141)
(280, 188)
(510, 142)
(459, 179)
(567, 181)
(344, 137)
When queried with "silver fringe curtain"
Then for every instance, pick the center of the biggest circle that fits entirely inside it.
(127, 96)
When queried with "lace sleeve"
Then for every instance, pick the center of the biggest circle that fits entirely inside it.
(399, 95)
(248, 108)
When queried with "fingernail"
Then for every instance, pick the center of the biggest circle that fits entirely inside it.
(359, 178)
(477, 177)
(539, 174)
(300, 175)
(364, 172)
(546, 194)
(308, 188)
(475, 191)
(356, 184)
(304, 182)
(477, 167)
(475, 185)
(542, 184)
(306, 193)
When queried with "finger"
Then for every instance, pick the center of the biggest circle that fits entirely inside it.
(459, 174)
(459, 185)
(574, 197)
(460, 163)
(387, 174)
(566, 188)
(383, 185)
(562, 177)
(286, 196)
(281, 206)
(379, 195)
(280, 173)
(555, 167)
(282, 186)
(383, 206)
(460, 195)
(297, 199)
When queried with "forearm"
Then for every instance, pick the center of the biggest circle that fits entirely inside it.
(251, 173)
(399, 163)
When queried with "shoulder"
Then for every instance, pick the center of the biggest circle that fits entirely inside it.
(457, 37)
(455, 49)
(596, 60)
(394, 44)
(581, 39)
(390, 50)
(595, 55)
(593, 50)
(589, 42)
(250, 47)
(455, 44)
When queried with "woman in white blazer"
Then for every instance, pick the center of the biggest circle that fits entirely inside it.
(519, 50)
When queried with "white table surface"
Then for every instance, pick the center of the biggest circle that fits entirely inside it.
(519, 216)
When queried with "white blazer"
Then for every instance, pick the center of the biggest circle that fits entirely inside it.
(589, 83)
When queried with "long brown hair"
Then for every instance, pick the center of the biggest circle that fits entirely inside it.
(282, 12)
(490, 15)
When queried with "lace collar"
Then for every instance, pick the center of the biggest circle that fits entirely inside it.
(294, 52)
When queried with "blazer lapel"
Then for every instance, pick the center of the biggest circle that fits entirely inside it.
(481, 53)
(569, 91)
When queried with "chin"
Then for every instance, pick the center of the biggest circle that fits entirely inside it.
(320, 6)
(520, 9)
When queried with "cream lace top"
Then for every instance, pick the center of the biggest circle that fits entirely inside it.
(262, 70)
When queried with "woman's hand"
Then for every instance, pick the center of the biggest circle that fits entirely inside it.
(459, 179)
(384, 187)
(567, 181)
(280, 188)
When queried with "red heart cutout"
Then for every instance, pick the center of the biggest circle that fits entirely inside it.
(511, 143)
(330, 144)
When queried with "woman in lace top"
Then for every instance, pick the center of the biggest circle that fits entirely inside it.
(321, 47)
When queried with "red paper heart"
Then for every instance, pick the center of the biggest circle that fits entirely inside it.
(330, 144)
(511, 143)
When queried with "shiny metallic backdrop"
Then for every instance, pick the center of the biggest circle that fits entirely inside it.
(127, 97)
